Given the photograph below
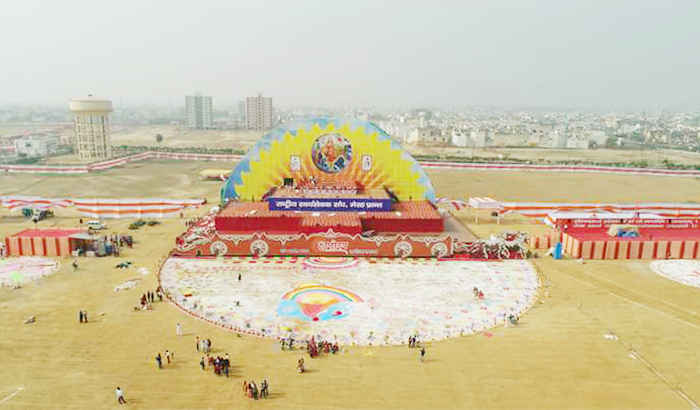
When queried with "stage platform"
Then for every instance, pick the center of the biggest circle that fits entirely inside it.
(208, 238)
(404, 217)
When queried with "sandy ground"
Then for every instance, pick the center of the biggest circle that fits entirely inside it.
(556, 358)
(180, 179)
(653, 157)
(176, 137)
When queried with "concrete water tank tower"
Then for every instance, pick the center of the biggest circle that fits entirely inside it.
(92, 128)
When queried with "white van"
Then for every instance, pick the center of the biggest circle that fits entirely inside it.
(96, 225)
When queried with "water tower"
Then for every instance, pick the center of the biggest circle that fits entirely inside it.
(92, 129)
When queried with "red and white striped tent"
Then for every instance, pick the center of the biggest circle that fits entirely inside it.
(41, 242)
(106, 207)
(457, 204)
(133, 207)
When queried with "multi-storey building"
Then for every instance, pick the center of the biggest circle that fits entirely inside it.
(199, 112)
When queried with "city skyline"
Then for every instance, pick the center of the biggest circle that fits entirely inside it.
(620, 55)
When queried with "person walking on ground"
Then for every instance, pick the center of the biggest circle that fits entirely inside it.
(249, 391)
(80, 314)
(120, 396)
(159, 360)
(201, 362)
(167, 355)
(254, 388)
(239, 277)
(85, 319)
(422, 354)
(75, 264)
(178, 330)
(263, 389)
(197, 343)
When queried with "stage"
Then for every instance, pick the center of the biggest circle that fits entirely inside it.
(206, 239)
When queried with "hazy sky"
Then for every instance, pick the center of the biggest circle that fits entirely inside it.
(571, 54)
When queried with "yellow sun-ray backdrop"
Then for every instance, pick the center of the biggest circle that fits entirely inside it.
(391, 167)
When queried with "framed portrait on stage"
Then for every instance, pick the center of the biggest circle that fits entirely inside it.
(295, 162)
(366, 162)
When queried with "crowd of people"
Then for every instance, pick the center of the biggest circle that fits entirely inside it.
(316, 348)
(105, 245)
(221, 365)
(251, 390)
(203, 345)
(149, 298)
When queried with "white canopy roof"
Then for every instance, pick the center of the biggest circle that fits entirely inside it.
(484, 202)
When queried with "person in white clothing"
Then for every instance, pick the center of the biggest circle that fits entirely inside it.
(178, 330)
(120, 396)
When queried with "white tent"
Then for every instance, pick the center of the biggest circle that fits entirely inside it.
(484, 203)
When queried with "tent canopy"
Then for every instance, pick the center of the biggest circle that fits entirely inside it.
(484, 203)
(84, 236)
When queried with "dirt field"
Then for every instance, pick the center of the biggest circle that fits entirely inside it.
(653, 157)
(556, 358)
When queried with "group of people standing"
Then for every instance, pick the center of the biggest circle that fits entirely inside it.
(289, 343)
(168, 356)
(413, 342)
(203, 345)
(83, 316)
(314, 348)
(119, 240)
(149, 297)
(220, 364)
(251, 390)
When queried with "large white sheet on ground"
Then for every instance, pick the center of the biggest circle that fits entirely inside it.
(353, 301)
(683, 271)
(25, 269)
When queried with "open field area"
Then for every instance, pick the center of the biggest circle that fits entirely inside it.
(177, 137)
(180, 179)
(602, 155)
(557, 357)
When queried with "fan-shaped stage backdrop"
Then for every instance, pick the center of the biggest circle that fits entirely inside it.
(328, 149)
